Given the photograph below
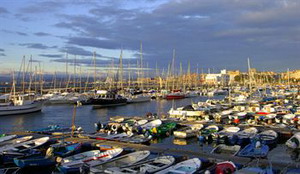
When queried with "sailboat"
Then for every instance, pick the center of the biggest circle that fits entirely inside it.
(20, 103)
(139, 96)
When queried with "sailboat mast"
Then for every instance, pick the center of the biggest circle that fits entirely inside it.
(288, 76)
(121, 70)
(94, 57)
(30, 76)
(141, 66)
(173, 70)
(67, 73)
(23, 78)
(249, 74)
(74, 73)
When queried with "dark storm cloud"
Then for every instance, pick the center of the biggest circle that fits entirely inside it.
(51, 55)
(37, 46)
(205, 32)
(42, 34)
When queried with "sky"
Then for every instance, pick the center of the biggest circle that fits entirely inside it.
(210, 34)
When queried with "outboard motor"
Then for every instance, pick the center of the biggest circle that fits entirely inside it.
(98, 126)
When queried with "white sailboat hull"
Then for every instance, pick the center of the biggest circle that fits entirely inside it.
(23, 109)
(139, 99)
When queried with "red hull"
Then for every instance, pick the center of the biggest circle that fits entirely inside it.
(171, 97)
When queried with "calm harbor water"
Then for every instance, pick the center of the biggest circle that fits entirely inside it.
(85, 115)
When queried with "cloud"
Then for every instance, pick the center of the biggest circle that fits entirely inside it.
(2, 54)
(93, 42)
(51, 55)
(99, 62)
(3, 10)
(21, 33)
(42, 7)
(2, 50)
(42, 34)
(206, 32)
(37, 46)
(34, 60)
(76, 51)
(15, 32)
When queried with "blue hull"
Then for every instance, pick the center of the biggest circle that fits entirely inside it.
(37, 161)
(251, 151)
(69, 170)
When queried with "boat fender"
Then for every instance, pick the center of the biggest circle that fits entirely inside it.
(49, 152)
(114, 127)
(58, 159)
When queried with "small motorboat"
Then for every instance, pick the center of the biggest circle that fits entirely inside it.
(75, 162)
(244, 136)
(227, 135)
(254, 150)
(225, 167)
(207, 133)
(268, 137)
(137, 139)
(294, 141)
(185, 132)
(16, 141)
(149, 166)
(34, 161)
(188, 167)
(7, 137)
(225, 149)
(163, 130)
(21, 147)
(152, 124)
(122, 161)
(63, 149)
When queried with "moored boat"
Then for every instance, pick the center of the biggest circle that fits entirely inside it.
(227, 150)
(149, 166)
(254, 150)
(75, 162)
(21, 147)
(188, 167)
(294, 141)
(244, 136)
(7, 137)
(268, 137)
(122, 161)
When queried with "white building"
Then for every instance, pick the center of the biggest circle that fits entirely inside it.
(218, 79)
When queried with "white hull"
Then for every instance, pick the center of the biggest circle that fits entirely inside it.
(180, 113)
(23, 109)
(139, 99)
